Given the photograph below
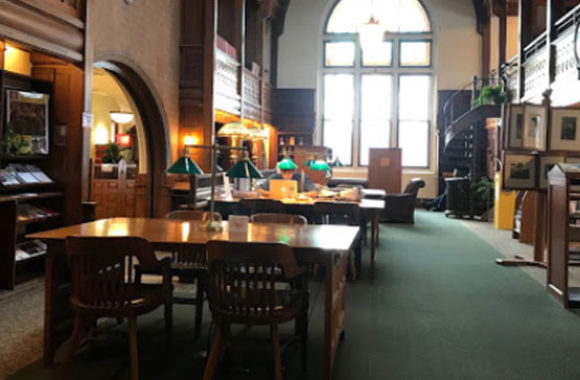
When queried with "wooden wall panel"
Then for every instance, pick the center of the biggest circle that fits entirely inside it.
(43, 26)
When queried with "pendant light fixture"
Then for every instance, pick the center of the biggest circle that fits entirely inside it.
(371, 33)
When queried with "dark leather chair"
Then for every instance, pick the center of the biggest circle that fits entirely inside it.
(400, 208)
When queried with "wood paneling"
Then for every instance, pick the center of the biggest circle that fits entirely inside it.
(45, 25)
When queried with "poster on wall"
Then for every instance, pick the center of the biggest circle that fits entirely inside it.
(535, 126)
(546, 164)
(565, 129)
(519, 171)
(515, 128)
(26, 130)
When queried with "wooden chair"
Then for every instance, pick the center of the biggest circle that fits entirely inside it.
(244, 288)
(347, 213)
(190, 263)
(278, 218)
(192, 215)
(103, 285)
(259, 206)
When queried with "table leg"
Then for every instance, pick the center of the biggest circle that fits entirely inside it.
(374, 241)
(334, 306)
(58, 316)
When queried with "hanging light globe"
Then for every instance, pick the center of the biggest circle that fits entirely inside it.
(371, 33)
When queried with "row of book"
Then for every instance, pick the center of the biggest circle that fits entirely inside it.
(30, 248)
(20, 174)
(27, 212)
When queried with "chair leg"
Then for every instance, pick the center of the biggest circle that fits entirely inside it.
(301, 331)
(199, 306)
(276, 351)
(133, 347)
(168, 317)
(74, 343)
(214, 353)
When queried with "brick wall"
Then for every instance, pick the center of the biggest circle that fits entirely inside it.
(144, 34)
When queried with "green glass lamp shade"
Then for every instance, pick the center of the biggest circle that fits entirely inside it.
(309, 163)
(287, 164)
(320, 165)
(336, 163)
(184, 165)
(244, 169)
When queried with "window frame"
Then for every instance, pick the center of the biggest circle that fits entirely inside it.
(396, 70)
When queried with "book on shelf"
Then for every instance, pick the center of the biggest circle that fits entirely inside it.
(28, 249)
(17, 174)
(8, 178)
(28, 212)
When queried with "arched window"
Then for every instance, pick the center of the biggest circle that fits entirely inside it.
(379, 96)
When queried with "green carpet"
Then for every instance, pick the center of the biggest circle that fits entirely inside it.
(440, 308)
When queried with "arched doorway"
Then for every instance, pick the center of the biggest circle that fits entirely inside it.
(143, 141)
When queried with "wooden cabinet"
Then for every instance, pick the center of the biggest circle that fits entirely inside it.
(113, 187)
(385, 169)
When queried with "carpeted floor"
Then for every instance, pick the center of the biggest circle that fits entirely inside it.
(440, 308)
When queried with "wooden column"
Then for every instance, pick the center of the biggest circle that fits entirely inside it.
(240, 45)
(502, 38)
(485, 48)
(524, 28)
(197, 71)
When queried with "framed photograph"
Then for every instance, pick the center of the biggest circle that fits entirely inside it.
(535, 127)
(26, 130)
(546, 164)
(519, 171)
(515, 126)
(565, 129)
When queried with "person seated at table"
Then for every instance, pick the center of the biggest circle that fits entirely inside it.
(289, 174)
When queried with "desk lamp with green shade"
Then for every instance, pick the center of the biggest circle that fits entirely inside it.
(185, 165)
(244, 169)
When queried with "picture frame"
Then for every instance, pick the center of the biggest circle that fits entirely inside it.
(515, 126)
(535, 126)
(565, 129)
(546, 163)
(519, 172)
(27, 122)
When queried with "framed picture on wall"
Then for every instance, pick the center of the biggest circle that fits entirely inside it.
(546, 164)
(535, 127)
(26, 129)
(565, 129)
(519, 171)
(515, 126)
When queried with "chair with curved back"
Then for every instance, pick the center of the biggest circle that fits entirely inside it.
(104, 285)
(244, 288)
(189, 263)
(278, 218)
(347, 213)
(259, 206)
(401, 207)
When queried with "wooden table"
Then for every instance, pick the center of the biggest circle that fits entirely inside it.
(325, 245)
(370, 209)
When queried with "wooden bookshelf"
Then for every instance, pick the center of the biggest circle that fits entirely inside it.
(40, 205)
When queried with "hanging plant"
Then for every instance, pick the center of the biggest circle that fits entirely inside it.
(491, 96)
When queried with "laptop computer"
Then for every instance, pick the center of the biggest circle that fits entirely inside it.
(283, 189)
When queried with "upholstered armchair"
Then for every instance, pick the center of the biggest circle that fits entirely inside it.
(401, 207)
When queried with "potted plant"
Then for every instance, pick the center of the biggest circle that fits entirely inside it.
(491, 95)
